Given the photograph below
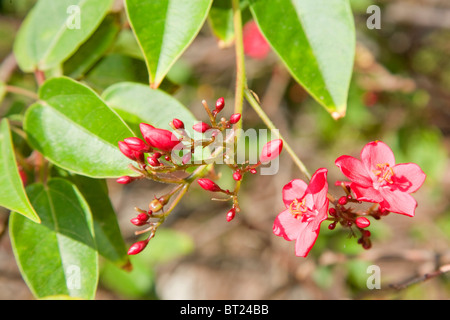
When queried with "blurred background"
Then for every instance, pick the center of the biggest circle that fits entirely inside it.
(400, 93)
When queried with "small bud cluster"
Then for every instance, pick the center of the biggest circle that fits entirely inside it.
(346, 216)
(155, 157)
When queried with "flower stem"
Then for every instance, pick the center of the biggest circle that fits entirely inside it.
(240, 61)
(257, 107)
(22, 91)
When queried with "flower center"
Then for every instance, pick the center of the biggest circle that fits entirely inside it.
(384, 173)
(298, 208)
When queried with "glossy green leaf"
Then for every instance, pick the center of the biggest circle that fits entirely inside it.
(109, 240)
(164, 29)
(92, 50)
(316, 41)
(58, 256)
(53, 30)
(220, 19)
(138, 103)
(12, 195)
(76, 130)
(114, 68)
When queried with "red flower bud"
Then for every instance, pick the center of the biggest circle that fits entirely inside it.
(271, 150)
(177, 124)
(127, 151)
(142, 217)
(137, 247)
(201, 127)
(160, 139)
(153, 162)
(137, 144)
(362, 222)
(343, 200)
(237, 175)
(231, 214)
(235, 118)
(220, 104)
(125, 180)
(208, 185)
(137, 222)
(145, 128)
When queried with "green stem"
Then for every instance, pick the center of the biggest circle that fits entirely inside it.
(257, 107)
(22, 92)
(240, 61)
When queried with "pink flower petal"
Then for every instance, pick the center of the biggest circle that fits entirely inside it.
(318, 187)
(366, 194)
(295, 189)
(286, 226)
(398, 202)
(306, 240)
(374, 153)
(355, 170)
(408, 177)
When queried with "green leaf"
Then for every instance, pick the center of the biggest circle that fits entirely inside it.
(58, 256)
(53, 30)
(164, 29)
(221, 21)
(115, 68)
(76, 130)
(92, 50)
(12, 195)
(109, 240)
(138, 103)
(316, 41)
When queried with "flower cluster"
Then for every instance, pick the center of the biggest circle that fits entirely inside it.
(375, 178)
(166, 155)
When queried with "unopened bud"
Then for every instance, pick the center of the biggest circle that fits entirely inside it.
(137, 222)
(137, 144)
(231, 214)
(125, 180)
(235, 118)
(343, 200)
(161, 139)
(177, 124)
(220, 104)
(137, 247)
(127, 151)
(362, 222)
(271, 150)
(153, 162)
(208, 185)
(237, 176)
(201, 127)
(142, 217)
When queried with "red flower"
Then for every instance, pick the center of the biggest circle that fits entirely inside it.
(306, 208)
(376, 178)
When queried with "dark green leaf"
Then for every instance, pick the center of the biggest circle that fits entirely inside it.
(53, 30)
(316, 41)
(58, 256)
(164, 29)
(76, 130)
(93, 49)
(109, 240)
(12, 195)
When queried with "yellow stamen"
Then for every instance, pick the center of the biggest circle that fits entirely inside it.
(384, 173)
(297, 208)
